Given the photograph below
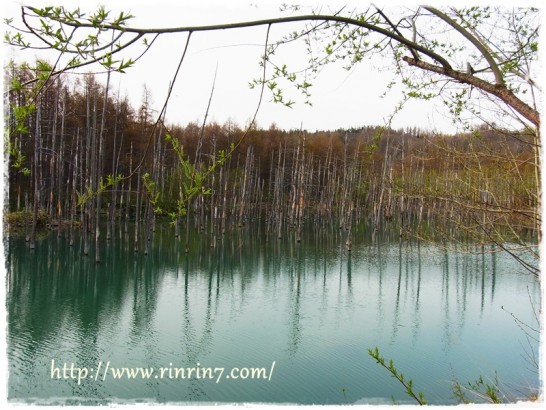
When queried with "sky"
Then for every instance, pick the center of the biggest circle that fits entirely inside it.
(340, 98)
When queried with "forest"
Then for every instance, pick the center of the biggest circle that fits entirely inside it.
(81, 154)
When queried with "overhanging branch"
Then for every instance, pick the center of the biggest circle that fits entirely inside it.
(499, 79)
(245, 24)
(498, 90)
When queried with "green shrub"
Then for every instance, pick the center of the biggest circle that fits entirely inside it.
(22, 218)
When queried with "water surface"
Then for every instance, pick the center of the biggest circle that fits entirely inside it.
(312, 308)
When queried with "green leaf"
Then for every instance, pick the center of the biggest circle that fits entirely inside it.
(125, 64)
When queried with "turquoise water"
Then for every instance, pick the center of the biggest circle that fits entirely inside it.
(305, 313)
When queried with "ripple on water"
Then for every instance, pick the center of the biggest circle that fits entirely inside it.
(316, 326)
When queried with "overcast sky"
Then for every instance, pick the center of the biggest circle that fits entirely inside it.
(341, 99)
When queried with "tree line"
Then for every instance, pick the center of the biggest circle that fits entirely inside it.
(82, 155)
